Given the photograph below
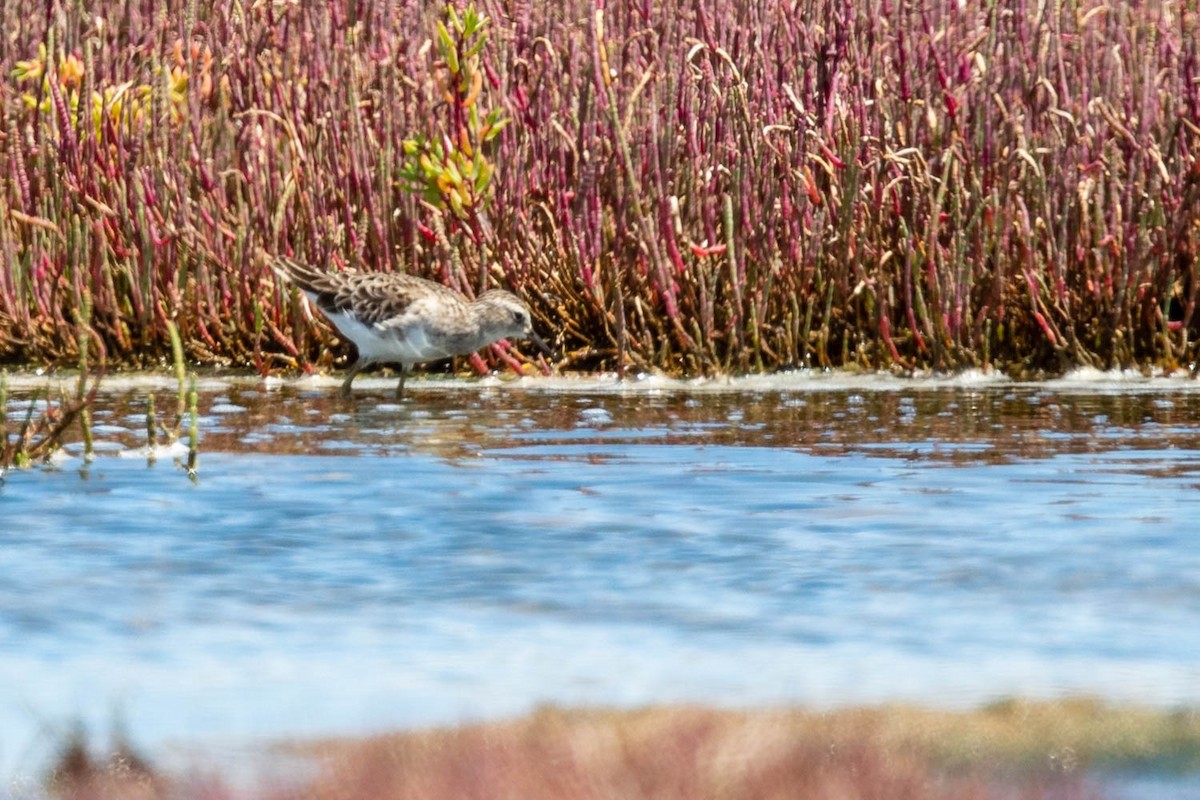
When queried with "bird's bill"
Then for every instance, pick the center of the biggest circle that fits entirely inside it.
(545, 348)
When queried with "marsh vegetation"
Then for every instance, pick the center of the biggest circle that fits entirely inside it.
(724, 187)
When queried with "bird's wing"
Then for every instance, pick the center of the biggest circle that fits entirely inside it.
(374, 298)
(377, 298)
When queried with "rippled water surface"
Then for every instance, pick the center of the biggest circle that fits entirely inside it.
(481, 548)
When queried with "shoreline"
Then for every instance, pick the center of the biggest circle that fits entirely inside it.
(1082, 379)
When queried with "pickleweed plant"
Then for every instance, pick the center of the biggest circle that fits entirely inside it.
(448, 167)
(695, 188)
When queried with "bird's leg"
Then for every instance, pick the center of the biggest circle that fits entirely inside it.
(400, 385)
(355, 368)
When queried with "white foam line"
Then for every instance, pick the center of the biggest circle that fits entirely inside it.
(800, 381)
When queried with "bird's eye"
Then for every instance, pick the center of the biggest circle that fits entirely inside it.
(519, 317)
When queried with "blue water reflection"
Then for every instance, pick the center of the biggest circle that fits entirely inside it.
(470, 562)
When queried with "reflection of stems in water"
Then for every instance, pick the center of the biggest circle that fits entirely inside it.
(85, 339)
(151, 435)
(193, 429)
(186, 402)
(22, 455)
(41, 434)
(180, 376)
(85, 422)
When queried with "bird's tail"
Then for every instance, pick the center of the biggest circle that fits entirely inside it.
(306, 277)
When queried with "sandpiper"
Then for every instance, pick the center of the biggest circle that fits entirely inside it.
(395, 318)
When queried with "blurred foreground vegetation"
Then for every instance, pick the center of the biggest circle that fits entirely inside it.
(1016, 748)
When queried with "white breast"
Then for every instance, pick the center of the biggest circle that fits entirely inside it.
(386, 345)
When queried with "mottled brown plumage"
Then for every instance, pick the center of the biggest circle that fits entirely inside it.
(395, 318)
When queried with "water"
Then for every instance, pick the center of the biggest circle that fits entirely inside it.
(343, 567)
